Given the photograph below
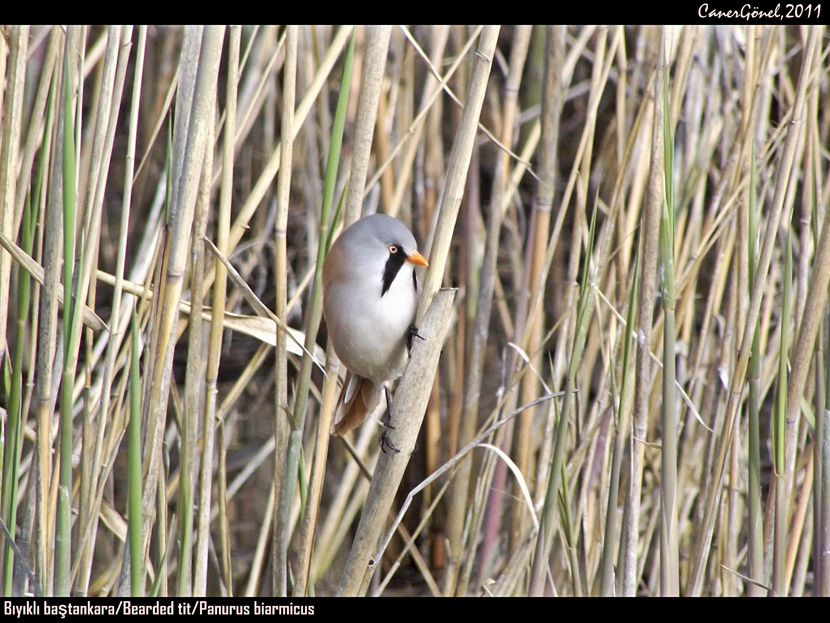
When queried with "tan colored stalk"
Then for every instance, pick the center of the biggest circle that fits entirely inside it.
(46, 358)
(283, 195)
(784, 171)
(820, 499)
(552, 102)
(450, 202)
(411, 398)
(487, 279)
(344, 505)
(732, 98)
(12, 122)
(239, 227)
(822, 477)
(195, 383)
(584, 148)
(649, 231)
(802, 355)
(219, 293)
(796, 544)
(557, 494)
(623, 265)
(669, 540)
(195, 107)
(70, 118)
(527, 307)
(35, 129)
(371, 81)
(412, 137)
(105, 127)
(282, 408)
(390, 469)
(377, 46)
(255, 92)
(322, 437)
(747, 221)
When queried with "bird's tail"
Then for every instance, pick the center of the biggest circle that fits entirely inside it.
(358, 398)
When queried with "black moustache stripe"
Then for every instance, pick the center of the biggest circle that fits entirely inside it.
(393, 266)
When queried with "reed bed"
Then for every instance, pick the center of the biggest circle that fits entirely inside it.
(624, 387)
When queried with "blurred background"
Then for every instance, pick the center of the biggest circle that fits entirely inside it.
(633, 395)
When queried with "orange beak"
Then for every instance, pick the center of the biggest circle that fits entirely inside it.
(417, 258)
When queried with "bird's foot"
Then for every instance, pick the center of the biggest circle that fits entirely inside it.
(385, 443)
(413, 332)
(386, 422)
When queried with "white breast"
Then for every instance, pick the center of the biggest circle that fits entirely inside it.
(370, 331)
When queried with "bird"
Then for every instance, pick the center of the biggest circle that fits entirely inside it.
(370, 296)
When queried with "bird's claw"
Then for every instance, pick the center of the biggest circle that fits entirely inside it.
(384, 443)
(387, 424)
(413, 332)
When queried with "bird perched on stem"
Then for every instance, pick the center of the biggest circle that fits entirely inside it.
(370, 295)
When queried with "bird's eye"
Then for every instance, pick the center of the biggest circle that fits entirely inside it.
(393, 249)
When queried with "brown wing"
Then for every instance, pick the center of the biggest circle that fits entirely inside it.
(358, 398)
